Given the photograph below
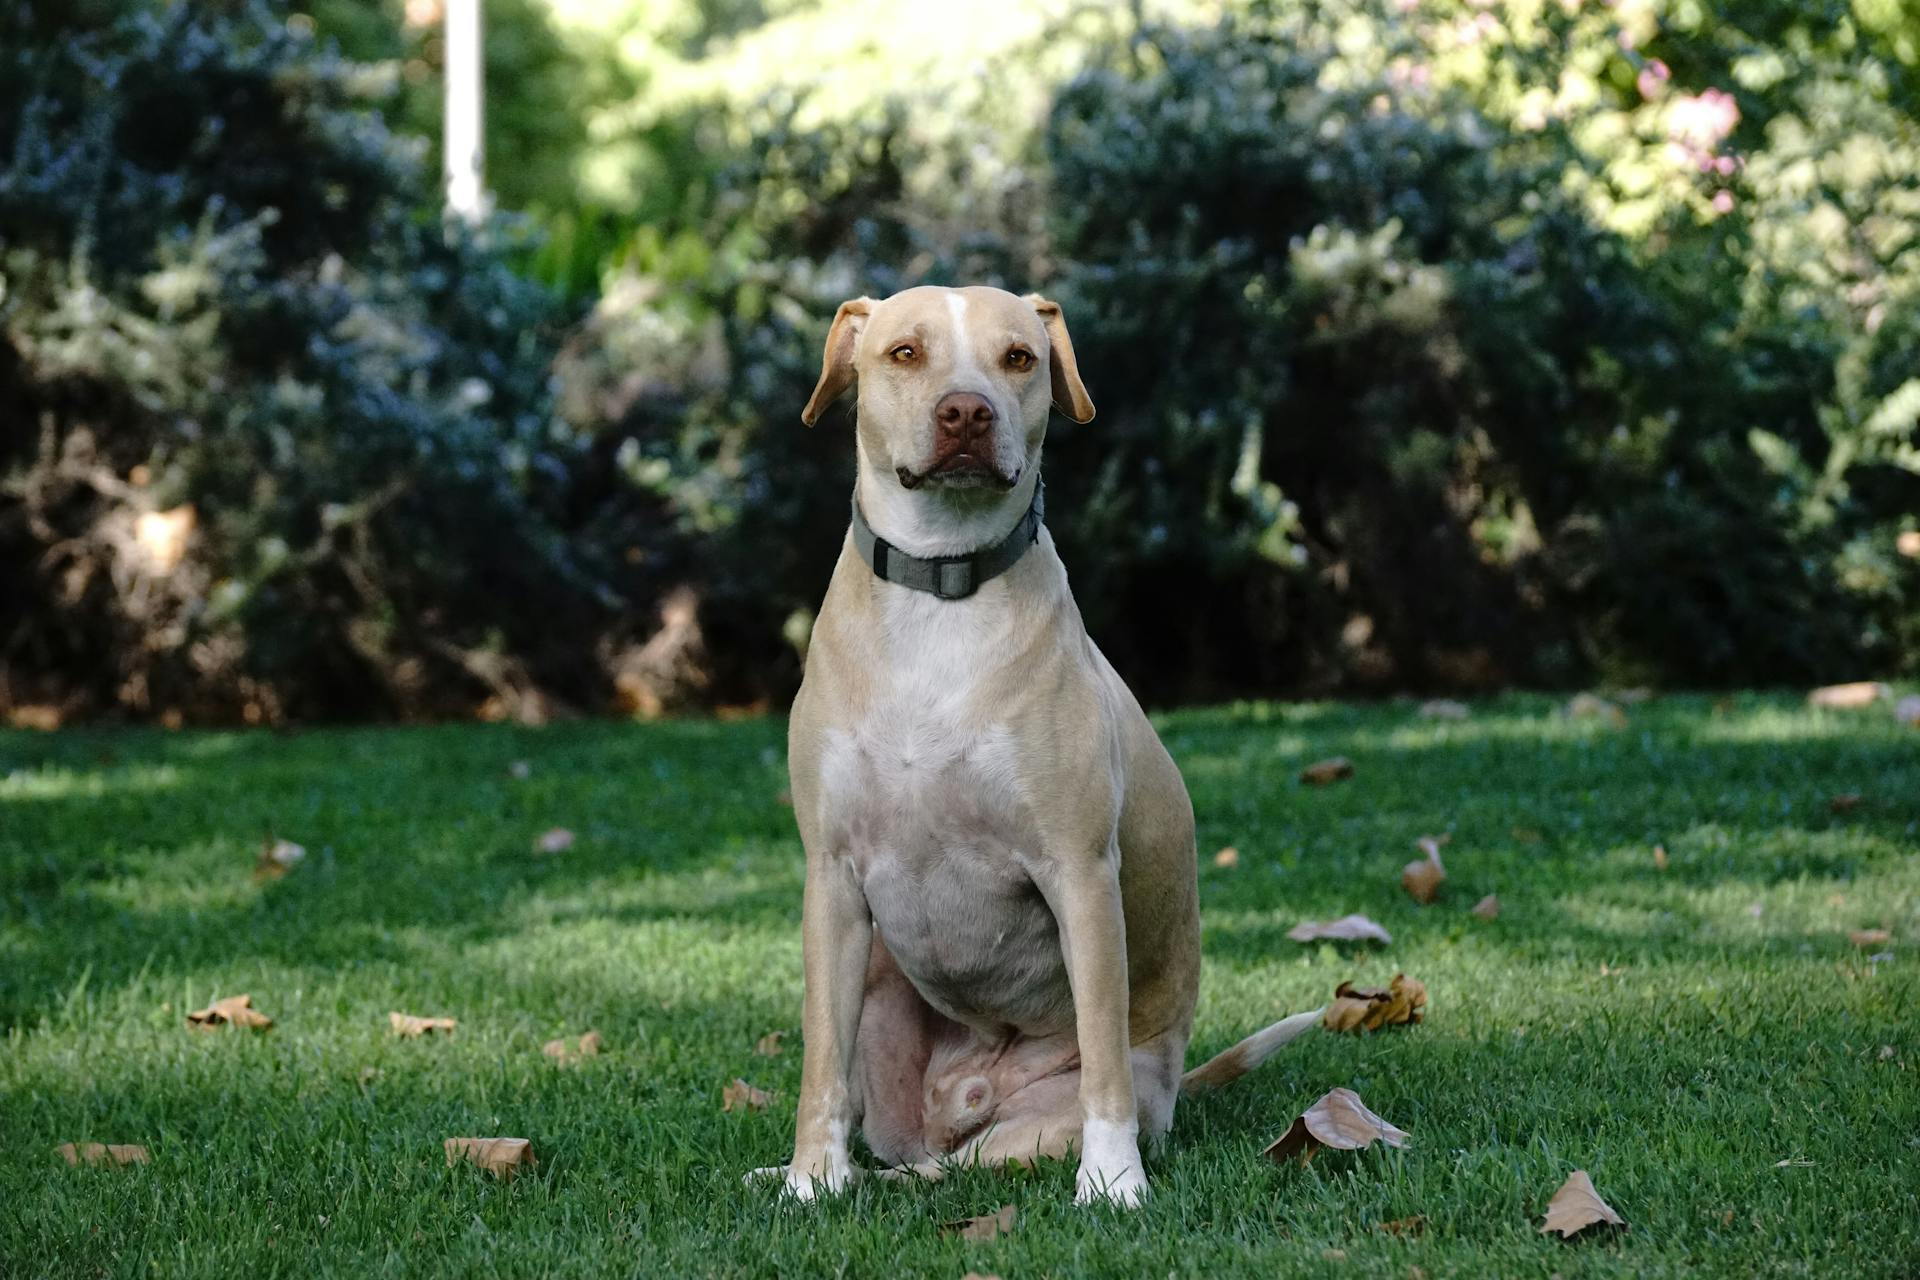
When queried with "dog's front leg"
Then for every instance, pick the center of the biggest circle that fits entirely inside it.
(1084, 894)
(836, 933)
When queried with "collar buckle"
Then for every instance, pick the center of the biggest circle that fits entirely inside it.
(954, 577)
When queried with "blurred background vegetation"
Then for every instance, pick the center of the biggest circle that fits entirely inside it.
(1439, 344)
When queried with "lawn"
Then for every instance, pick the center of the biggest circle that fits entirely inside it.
(1739, 1079)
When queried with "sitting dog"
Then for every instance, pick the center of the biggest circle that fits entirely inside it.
(1001, 919)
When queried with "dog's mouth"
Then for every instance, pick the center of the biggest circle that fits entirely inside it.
(958, 470)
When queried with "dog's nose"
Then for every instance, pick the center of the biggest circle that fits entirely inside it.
(961, 418)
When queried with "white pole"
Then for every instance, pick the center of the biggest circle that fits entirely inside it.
(464, 144)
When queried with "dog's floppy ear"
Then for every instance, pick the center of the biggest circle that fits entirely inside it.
(836, 367)
(1069, 393)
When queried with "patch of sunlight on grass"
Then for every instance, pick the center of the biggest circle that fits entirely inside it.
(65, 784)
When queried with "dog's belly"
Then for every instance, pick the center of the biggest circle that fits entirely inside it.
(935, 831)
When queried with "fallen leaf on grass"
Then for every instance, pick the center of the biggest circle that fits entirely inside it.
(979, 1275)
(1338, 1120)
(1869, 937)
(277, 857)
(1659, 857)
(768, 1045)
(741, 1096)
(1886, 1052)
(557, 840)
(237, 1010)
(565, 1055)
(114, 1153)
(1577, 1206)
(1590, 706)
(519, 770)
(1846, 802)
(1422, 878)
(1227, 859)
(985, 1227)
(1371, 1008)
(502, 1157)
(1847, 697)
(406, 1024)
(1444, 709)
(1488, 908)
(1355, 928)
(1322, 772)
(1414, 1226)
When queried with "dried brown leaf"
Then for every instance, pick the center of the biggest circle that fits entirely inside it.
(1338, 1120)
(1659, 857)
(277, 857)
(502, 1157)
(1414, 1226)
(406, 1024)
(987, 1226)
(1353, 928)
(1848, 697)
(1322, 772)
(741, 1096)
(1422, 878)
(1227, 859)
(1589, 706)
(564, 1054)
(1371, 1008)
(110, 1153)
(1488, 908)
(1577, 1206)
(1869, 937)
(768, 1045)
(554, 840)
(235, 1010)
(1846, 802)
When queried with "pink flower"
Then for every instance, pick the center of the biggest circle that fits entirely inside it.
(1653, 78)
(1703, 120)
(1723, 202)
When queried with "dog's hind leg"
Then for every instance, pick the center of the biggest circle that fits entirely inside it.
(898, 1029)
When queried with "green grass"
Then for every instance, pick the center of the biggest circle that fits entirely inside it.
(1676, 1033)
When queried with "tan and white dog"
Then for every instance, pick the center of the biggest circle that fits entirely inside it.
(1001, 919)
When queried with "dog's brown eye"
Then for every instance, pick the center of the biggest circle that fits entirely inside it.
(904, 353)
(1019, 359)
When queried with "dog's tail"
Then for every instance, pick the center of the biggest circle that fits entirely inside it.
(1249, 1053)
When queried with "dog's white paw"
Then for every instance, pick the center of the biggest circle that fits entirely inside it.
(1125, 1186)
(800, 1185)
(1111, 1171)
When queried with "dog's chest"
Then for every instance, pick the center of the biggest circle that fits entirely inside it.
(921, 788)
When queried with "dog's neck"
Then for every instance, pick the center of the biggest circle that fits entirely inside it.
(930, 522)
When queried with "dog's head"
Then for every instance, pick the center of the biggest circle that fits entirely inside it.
(953, 384)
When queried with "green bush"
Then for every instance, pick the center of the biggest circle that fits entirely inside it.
(277, 444)
(1408, 376)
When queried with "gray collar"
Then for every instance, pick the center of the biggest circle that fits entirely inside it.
(949, 577)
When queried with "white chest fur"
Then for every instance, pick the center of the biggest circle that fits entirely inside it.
(921, 790)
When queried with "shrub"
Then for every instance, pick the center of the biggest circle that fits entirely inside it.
(282, 445)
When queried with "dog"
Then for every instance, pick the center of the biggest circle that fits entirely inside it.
(1001, 929)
